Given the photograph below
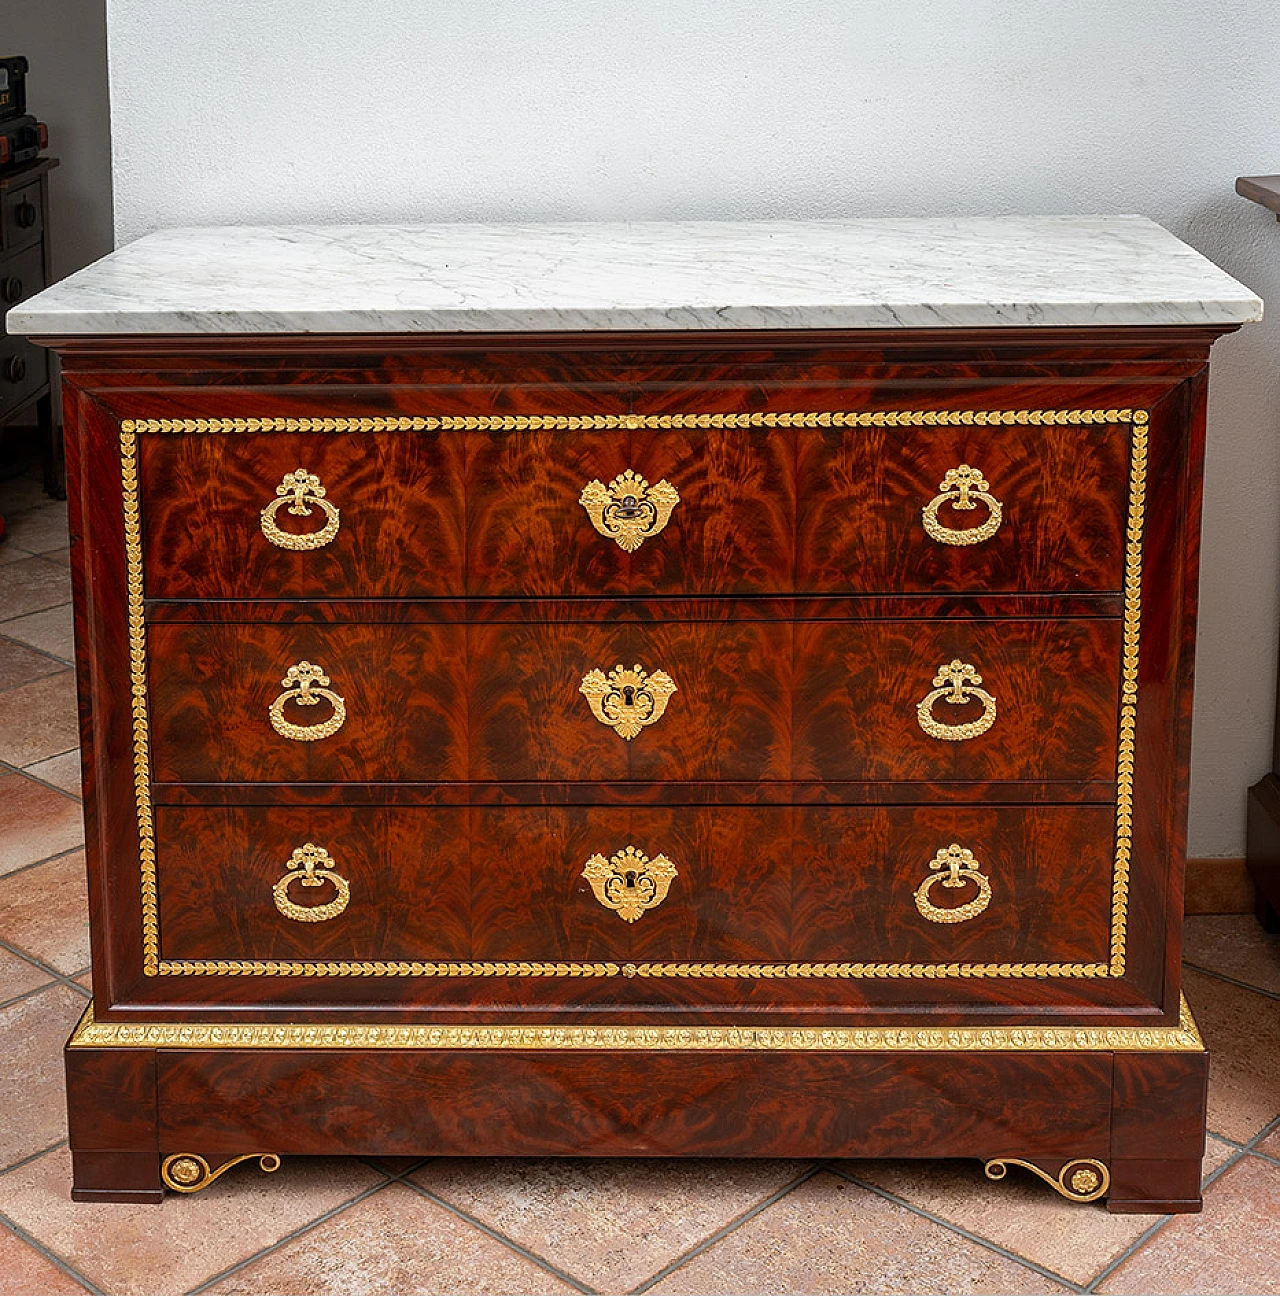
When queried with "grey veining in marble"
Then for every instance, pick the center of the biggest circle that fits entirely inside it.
(931, 273)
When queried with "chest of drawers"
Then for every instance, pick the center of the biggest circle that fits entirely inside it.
(638, 740)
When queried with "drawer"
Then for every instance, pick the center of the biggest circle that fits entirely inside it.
(24, 370)
(647, 512)
(714, 701)
(527, 884)
(631, 511)
(21, 216)
(373, 514)
(21, 276)
(885, 509)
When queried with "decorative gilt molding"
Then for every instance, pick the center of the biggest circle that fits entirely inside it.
(1182, 1038)
(1136, 420)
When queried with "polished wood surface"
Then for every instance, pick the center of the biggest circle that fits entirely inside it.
(802, 610)
(756, 701)
(754, 885)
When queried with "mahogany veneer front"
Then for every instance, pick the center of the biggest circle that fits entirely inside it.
(755, 701)
(801, 608)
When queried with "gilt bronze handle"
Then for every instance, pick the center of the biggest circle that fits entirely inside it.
(306, 684)
(960, 868)
(955, 683)
(312, 866)
(300, 490)
(960, 487)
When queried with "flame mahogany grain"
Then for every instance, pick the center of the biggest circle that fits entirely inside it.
(792, 605)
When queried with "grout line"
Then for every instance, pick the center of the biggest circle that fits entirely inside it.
(1128, 1253)
(51, 1256)
(1230, 980)
(291, 1236)
(963, 1232)
(48, 859)
(27, 994)
(1223, 1168)
(5, 766)
(1269, 1128)
(395, 1174)
(64, 662)
(510, 1243)
(731, 1227)
(44, 967)
(34, 1156)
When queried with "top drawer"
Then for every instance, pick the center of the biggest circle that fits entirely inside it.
(350, 508)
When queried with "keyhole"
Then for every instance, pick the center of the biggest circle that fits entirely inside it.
(629, 880)
(628, 695)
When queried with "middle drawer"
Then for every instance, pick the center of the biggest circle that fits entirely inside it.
(944, 700)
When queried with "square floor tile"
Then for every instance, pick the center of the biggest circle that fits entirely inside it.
(395, 1242)
(32, 1033)
(35, 822)
(1020, 1213)
(1234, 1246)
(1242, 1031)
(17, 976)
(62, 771)
(19, 664)
(17, 494)
(609, 1223)
(25, 1272)
(1236, 946)
(40, 529)
(30, 585)
(163, 1250)
(44, 911)
(39, 719)
(51, 631)
(832, 1236)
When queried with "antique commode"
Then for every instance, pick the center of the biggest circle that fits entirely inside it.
(639, 690)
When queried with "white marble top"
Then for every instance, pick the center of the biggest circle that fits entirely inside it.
(934, 273)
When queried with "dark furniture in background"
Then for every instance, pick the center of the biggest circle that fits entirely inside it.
(25, 268)
(1262, 850)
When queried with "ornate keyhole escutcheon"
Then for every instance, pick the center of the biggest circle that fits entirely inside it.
(311, 866)
(301, 491)
(627, 699)
(185, 1172)
(1080, 1180)
(630, 883)
(958, 869)
(306, 684)
(629, 510)
(960, 488)
(956, 683)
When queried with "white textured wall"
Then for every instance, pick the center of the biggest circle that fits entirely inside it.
(327, 110)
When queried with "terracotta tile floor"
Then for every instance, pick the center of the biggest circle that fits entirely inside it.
(347, 1226)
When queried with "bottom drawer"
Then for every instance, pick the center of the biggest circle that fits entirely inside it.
(866, 884)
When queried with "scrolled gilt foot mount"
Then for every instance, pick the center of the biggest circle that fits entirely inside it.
(185, 1172)
(1082, 1179)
